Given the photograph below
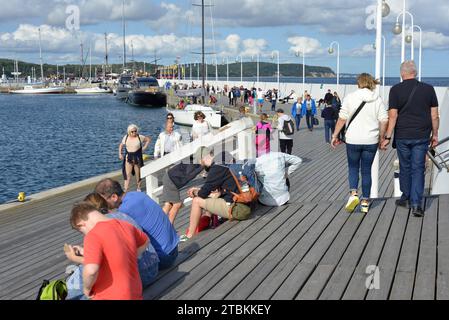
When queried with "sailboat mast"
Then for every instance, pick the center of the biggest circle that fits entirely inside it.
(202, 44)
(82, 61)
(40, 55)
(90, 62)
(106, 55)
(124, 35)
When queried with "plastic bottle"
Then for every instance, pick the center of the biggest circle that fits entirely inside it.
(244, 183)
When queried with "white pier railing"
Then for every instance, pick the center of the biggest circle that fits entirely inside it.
(239, 132)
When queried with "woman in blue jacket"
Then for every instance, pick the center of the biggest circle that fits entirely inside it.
(309, 110)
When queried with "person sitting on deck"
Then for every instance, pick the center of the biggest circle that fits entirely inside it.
(148, 215)
(135, 145)
(216, 194)
(271, 169)
(148, 263)
(173, 181)
(168, 141)
(111, 250)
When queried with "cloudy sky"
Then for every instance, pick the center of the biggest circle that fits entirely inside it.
(170, 29)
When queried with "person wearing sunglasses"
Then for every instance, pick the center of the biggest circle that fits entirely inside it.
(170, 117)
(134, 146)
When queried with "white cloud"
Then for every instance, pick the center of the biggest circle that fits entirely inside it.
(430, 40)
(311, 47)
(365, 51)
(60, 42)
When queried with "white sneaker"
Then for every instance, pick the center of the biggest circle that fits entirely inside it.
(364, 207)
(353, 202)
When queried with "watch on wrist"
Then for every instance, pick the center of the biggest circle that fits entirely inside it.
(387, 138)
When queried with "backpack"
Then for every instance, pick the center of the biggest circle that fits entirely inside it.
(52, 290)
(245, 174)
(289, 127)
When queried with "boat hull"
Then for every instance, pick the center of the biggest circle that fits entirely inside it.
(147, 99)
(122, 93)
(56, 90)
(93, 91)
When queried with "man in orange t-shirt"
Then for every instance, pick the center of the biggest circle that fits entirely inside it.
(111, 249)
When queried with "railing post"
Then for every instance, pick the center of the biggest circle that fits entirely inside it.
(152, 184)
(245, 145)
(397, 186)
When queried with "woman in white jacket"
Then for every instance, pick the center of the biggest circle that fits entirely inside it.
(363, 137)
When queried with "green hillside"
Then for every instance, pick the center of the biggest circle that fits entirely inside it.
(265, 70)
(249, 69)
(70, 69)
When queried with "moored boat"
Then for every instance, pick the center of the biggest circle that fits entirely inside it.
(93, 90)
(124, 86)
(147, 93)
(185, 116)
(33, 90)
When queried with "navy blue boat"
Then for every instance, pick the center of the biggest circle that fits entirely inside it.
(147, 93)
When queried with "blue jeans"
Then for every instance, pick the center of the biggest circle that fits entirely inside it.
(412, 159)
(166, 261)
(298, 121)
(329, 127)
(360, 159)
(309, 119)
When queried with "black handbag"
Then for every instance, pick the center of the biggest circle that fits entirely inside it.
(393, 144)
(316, 122)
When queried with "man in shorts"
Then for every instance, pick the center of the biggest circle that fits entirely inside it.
(216, 194)
(173, 181)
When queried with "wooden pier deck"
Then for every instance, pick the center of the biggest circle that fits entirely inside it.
(308, 249)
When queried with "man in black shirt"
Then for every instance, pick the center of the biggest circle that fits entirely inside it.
(414, 119)
(329, 97)
(216, 195)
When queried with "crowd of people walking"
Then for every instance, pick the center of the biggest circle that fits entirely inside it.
(128, 237)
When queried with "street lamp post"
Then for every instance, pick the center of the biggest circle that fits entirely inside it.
(383, 64)
(382, 11)
(197, 71)
(398, 30)
(257, 61)
(278, 71)
(227, 70)
(206, 69)
(216, 70)
(241, 67)
(303, 68)
(331, 51)
(420, 49)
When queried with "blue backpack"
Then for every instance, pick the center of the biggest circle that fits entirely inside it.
(248, 170)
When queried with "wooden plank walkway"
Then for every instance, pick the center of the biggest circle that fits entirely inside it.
(308, 249)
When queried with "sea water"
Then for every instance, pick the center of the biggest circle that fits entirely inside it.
(47, 141)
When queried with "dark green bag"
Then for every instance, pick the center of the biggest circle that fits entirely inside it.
(240, 211)
(53, 290)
